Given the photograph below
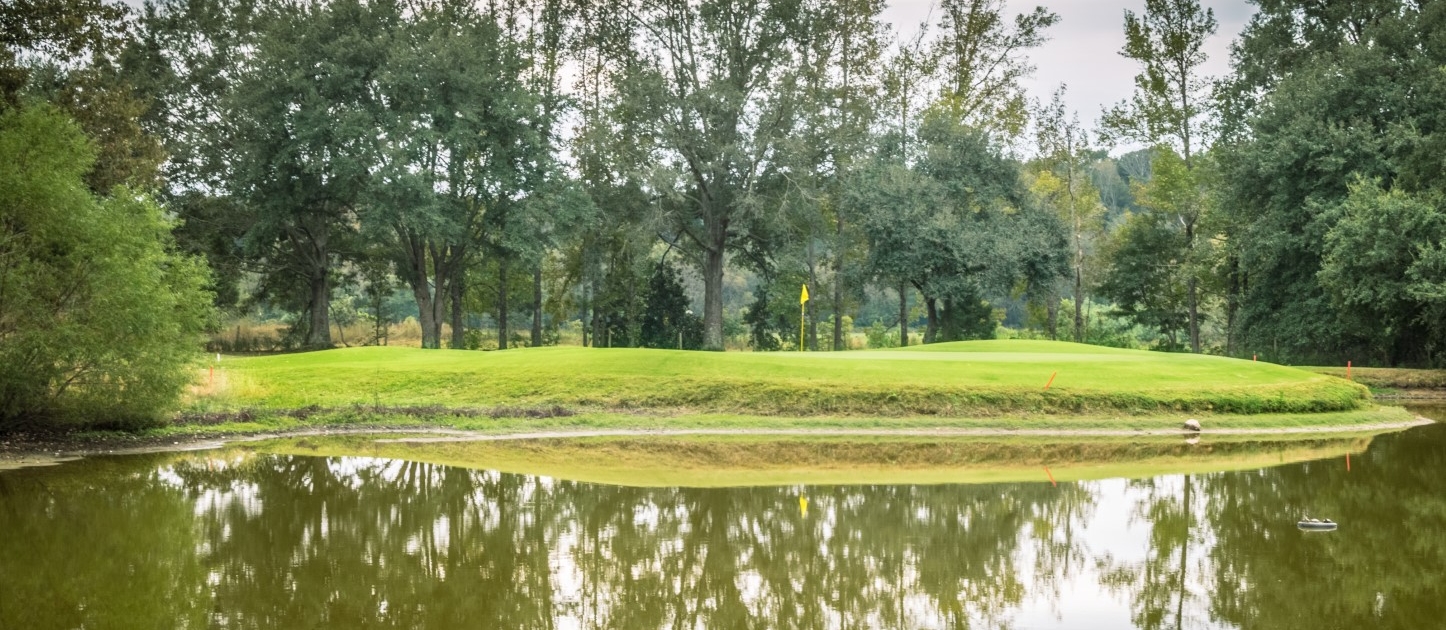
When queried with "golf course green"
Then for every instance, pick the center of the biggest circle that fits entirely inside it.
(963, 379)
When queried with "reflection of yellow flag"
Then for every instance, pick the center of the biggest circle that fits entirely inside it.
(803, 506)
(804, 297)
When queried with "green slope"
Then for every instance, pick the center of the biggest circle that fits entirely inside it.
(955, 379)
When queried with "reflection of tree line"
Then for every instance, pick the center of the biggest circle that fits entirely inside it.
(1224, 549)
(309, 542)
(517, 551)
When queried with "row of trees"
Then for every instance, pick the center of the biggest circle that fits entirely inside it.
(466, 148)
(564, 158)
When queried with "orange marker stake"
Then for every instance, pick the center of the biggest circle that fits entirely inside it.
(1348, 462)
(211, 380)
(1051, 477)
(1254, 357)
(1051, 381)
(1348, 370)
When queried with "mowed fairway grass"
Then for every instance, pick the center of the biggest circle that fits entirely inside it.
(964, 379)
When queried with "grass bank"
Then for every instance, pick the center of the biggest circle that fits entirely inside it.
(772, 461)
(512, 420)
(960, 380)
(1401, 382)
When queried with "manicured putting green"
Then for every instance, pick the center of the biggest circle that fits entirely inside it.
(954, 379)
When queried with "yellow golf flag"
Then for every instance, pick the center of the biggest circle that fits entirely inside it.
(804, 297)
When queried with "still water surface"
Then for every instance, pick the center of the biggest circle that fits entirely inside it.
(229, 540)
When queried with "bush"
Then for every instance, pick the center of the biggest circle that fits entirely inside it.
(101, 320)
(881, 336)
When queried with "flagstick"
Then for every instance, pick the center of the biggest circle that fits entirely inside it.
(802, 310)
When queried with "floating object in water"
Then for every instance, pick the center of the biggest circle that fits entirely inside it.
(1316, 525)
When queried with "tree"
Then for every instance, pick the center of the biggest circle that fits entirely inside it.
(1170, 102)
(1322, 97)
(958, 226)
(100, 320)
(302, 122)
(1154, 261)
(453, 163)
(66, 53)
(1064, 185)
(667, 322)
(716, 78)
(982, 61)
(1382, 268)
(1143, 280)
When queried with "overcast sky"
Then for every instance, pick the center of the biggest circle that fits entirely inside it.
(1084, 47)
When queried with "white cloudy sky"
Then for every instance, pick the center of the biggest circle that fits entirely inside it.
(1084, 46)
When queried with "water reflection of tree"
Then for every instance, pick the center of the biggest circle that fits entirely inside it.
(397, 544)
(261, 542)
(1160, 586)
(1384, 568)
(267, 542)
(97, 545)
(1224, 550)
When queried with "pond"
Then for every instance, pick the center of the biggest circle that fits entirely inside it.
(241, 539)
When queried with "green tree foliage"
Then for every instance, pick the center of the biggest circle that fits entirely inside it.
(1156, 256)
(1382, 268)
(301, 122)
(67, 53)
(1323, 96)
(1169, 105)
(1063, 183)
(667, 322)
(451, 166)
(981, 61)
(100, 320)
(1143, 281)
(958, 226)
(716, 80)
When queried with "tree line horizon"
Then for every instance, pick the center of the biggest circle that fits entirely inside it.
(564, 159)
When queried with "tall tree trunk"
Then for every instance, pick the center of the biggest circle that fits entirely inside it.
(1233, 290)
(812, 312)
(713, 292)
(903, 315)
(931, 329)
(582, 314)
(441, 277)
(599, 324)
(1184, 560)
(838, 284)
(310, 248)
(414, 272)
(1051, 312)
(1191, 287)
(458, 291)
(631, 331)
(319, 336)
(1078, 284)
(537, 306)
(501, 303)
(423, 297)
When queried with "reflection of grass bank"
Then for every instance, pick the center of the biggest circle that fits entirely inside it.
(770, 460)
(970, 379)
(520, 419)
